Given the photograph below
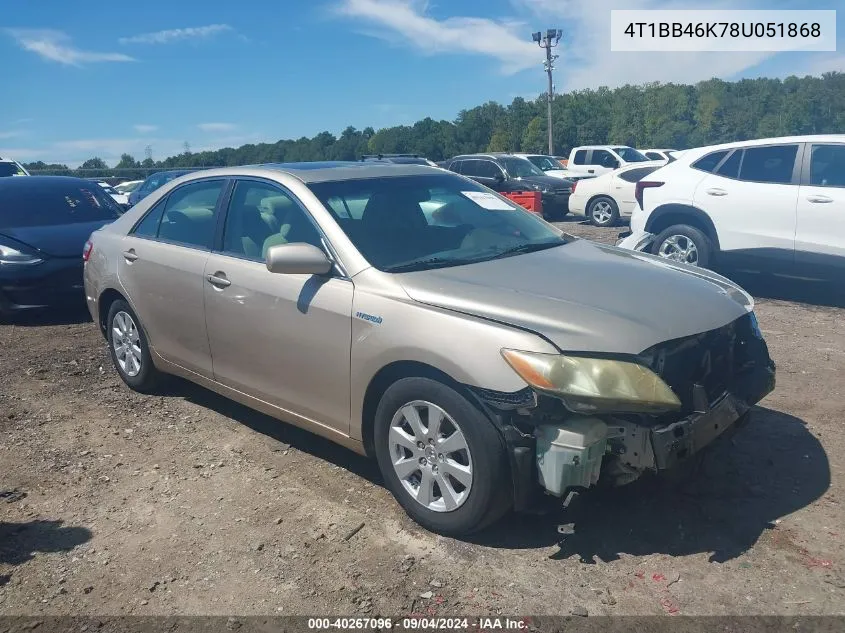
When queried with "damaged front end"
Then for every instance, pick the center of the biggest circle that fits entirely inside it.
(587, 420)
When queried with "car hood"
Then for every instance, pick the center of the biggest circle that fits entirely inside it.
(586, 297)
(64, 240)
(546, 181)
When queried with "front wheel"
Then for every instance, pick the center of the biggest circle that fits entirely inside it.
(684, 243)
(441, 457)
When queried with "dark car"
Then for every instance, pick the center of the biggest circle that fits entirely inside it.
(153, 182)
(45, 222)
(506, 172)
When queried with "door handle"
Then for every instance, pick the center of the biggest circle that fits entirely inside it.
(819, 199)
(715, 191)
(218, 281)
(130, 255)
(591, 171)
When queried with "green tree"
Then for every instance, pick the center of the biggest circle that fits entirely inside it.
(94, 163)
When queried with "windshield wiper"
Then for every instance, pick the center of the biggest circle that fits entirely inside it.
(527, 248)
(428, 262)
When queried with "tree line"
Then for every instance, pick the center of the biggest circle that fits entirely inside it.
(651, 115)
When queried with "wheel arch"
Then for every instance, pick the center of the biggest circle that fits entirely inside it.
(667, 215)
(104, 301)
(383, 379)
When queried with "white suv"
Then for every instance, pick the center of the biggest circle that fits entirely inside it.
(8, 167)
(771, 205)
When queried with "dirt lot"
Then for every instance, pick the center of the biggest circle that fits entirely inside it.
(185, 503)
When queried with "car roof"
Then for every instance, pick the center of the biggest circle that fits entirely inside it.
(43, 181)
(178, 172)
(491, 155)
(696, 152)
(326, 171)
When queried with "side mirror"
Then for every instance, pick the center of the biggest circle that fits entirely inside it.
(499, 177)
(297, 259)
(615, 164)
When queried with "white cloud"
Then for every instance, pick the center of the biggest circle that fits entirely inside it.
(142, 128)
(586, 60)
(174, 35)
(56, 46)
(815, 64)
(217, 127)
(406, 22)
(11, 134)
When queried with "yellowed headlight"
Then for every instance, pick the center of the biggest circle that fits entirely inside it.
(594, 385)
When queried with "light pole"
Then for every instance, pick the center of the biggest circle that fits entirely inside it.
(549, 41)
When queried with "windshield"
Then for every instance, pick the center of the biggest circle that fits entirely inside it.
(518, 167)
(429, 221)
(52, 204)
(544, 162)
(630, 155)
(10, 169)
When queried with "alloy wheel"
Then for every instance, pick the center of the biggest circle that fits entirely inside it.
(679, 248)
(602, 212)
(126, 342)
(430, 456)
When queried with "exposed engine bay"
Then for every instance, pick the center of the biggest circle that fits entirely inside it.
(717, 376)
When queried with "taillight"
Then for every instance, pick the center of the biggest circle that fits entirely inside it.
(86, 251)
(574, 184)
(642, 185)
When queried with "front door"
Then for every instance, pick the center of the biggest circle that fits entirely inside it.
(162, 267)
(284, 339)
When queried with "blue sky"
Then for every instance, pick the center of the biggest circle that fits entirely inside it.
(87, 78)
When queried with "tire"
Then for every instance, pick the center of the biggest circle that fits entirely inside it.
(466, 508)
(122, 318)
(554, 215)
(688, 244)
(603, 211)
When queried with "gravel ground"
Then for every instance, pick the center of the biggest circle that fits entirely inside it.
(185, 503)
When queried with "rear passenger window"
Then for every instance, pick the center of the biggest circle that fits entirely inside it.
(709, 162)
(770, 164)
(827, 166)
(148, 227)
(730, 168)
(581, 157)
(189, 214)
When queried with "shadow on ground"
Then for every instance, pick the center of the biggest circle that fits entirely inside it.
(19, 542)
(64, 315)
(771, 467)
(285, 434)
(818, 293)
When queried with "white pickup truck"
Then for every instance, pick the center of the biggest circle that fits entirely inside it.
(595, 160)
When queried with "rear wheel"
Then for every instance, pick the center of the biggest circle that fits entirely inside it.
(603, 211)
(129, 349)
(441, 457)
(684, 243)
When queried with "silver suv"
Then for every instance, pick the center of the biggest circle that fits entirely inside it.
(418, 317)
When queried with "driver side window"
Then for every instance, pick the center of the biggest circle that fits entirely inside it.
(262, 215)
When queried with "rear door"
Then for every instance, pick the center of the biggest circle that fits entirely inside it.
(162, 267)
(820, 234)
(484, 171)
(751, 197)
